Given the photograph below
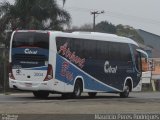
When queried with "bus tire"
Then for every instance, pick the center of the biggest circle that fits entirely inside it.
(125, 92)
(92, 94)
(77, 89)
(41, 94)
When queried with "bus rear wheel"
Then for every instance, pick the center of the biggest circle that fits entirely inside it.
(77, 89)
(41, 94)
(125, 92)
(92, 94)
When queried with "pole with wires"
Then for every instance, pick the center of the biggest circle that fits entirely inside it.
(94, 13)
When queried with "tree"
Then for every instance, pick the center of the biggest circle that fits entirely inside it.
(85, 27)
(130, 32)
(33, 14)
(105, 27)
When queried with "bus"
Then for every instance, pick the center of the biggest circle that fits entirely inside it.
(45, 62)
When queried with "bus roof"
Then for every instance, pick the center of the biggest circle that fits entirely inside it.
(96, 36)
(88, 35)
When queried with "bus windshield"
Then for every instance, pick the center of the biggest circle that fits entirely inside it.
(31, 39)
(144, 60)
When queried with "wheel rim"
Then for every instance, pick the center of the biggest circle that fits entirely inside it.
(126, 90)
(77, 90)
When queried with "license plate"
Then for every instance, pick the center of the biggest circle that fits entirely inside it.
(28, 84)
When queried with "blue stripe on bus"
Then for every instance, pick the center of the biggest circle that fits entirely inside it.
(89, 82)
(37, 68)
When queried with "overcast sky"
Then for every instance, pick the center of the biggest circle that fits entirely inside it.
(141, 14)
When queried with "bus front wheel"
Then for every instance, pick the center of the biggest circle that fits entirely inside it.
(125, 92)
(41, 94)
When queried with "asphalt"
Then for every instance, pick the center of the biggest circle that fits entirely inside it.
(57, 108)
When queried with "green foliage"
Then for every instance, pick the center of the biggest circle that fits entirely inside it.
(85, 27)
(121, 30)
(33, 14)
(130, 32)
(105, 27)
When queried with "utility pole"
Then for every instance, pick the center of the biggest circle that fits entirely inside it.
(94, 13)
(5, 59)
(4, 65)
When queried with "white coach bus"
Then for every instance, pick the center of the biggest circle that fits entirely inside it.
(71, 63)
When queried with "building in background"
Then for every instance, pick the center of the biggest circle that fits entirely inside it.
(152, 43)
(152, 47)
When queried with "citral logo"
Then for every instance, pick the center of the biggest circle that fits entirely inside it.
(109, 69)
(28, 51)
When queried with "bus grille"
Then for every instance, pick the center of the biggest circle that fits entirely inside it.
(24, 57)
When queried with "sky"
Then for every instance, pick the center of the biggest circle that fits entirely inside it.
(140, 14)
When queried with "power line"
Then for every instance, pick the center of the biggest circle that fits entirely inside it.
(79, 9)
(94, 13)
(119, 15)
(132, 17)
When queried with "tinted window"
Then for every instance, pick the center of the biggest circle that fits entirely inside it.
(31, 39)
(102, 50)
(76, 45)
(125, 53)
(82, 47)
(119, 51)
(94, 49)
(89, 49)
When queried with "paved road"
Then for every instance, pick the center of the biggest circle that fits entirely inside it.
(25, 103)
(28, 97)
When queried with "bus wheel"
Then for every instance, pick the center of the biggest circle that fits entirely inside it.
(125, 93)
(77, 89)
(41, 94)
(92, 94)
